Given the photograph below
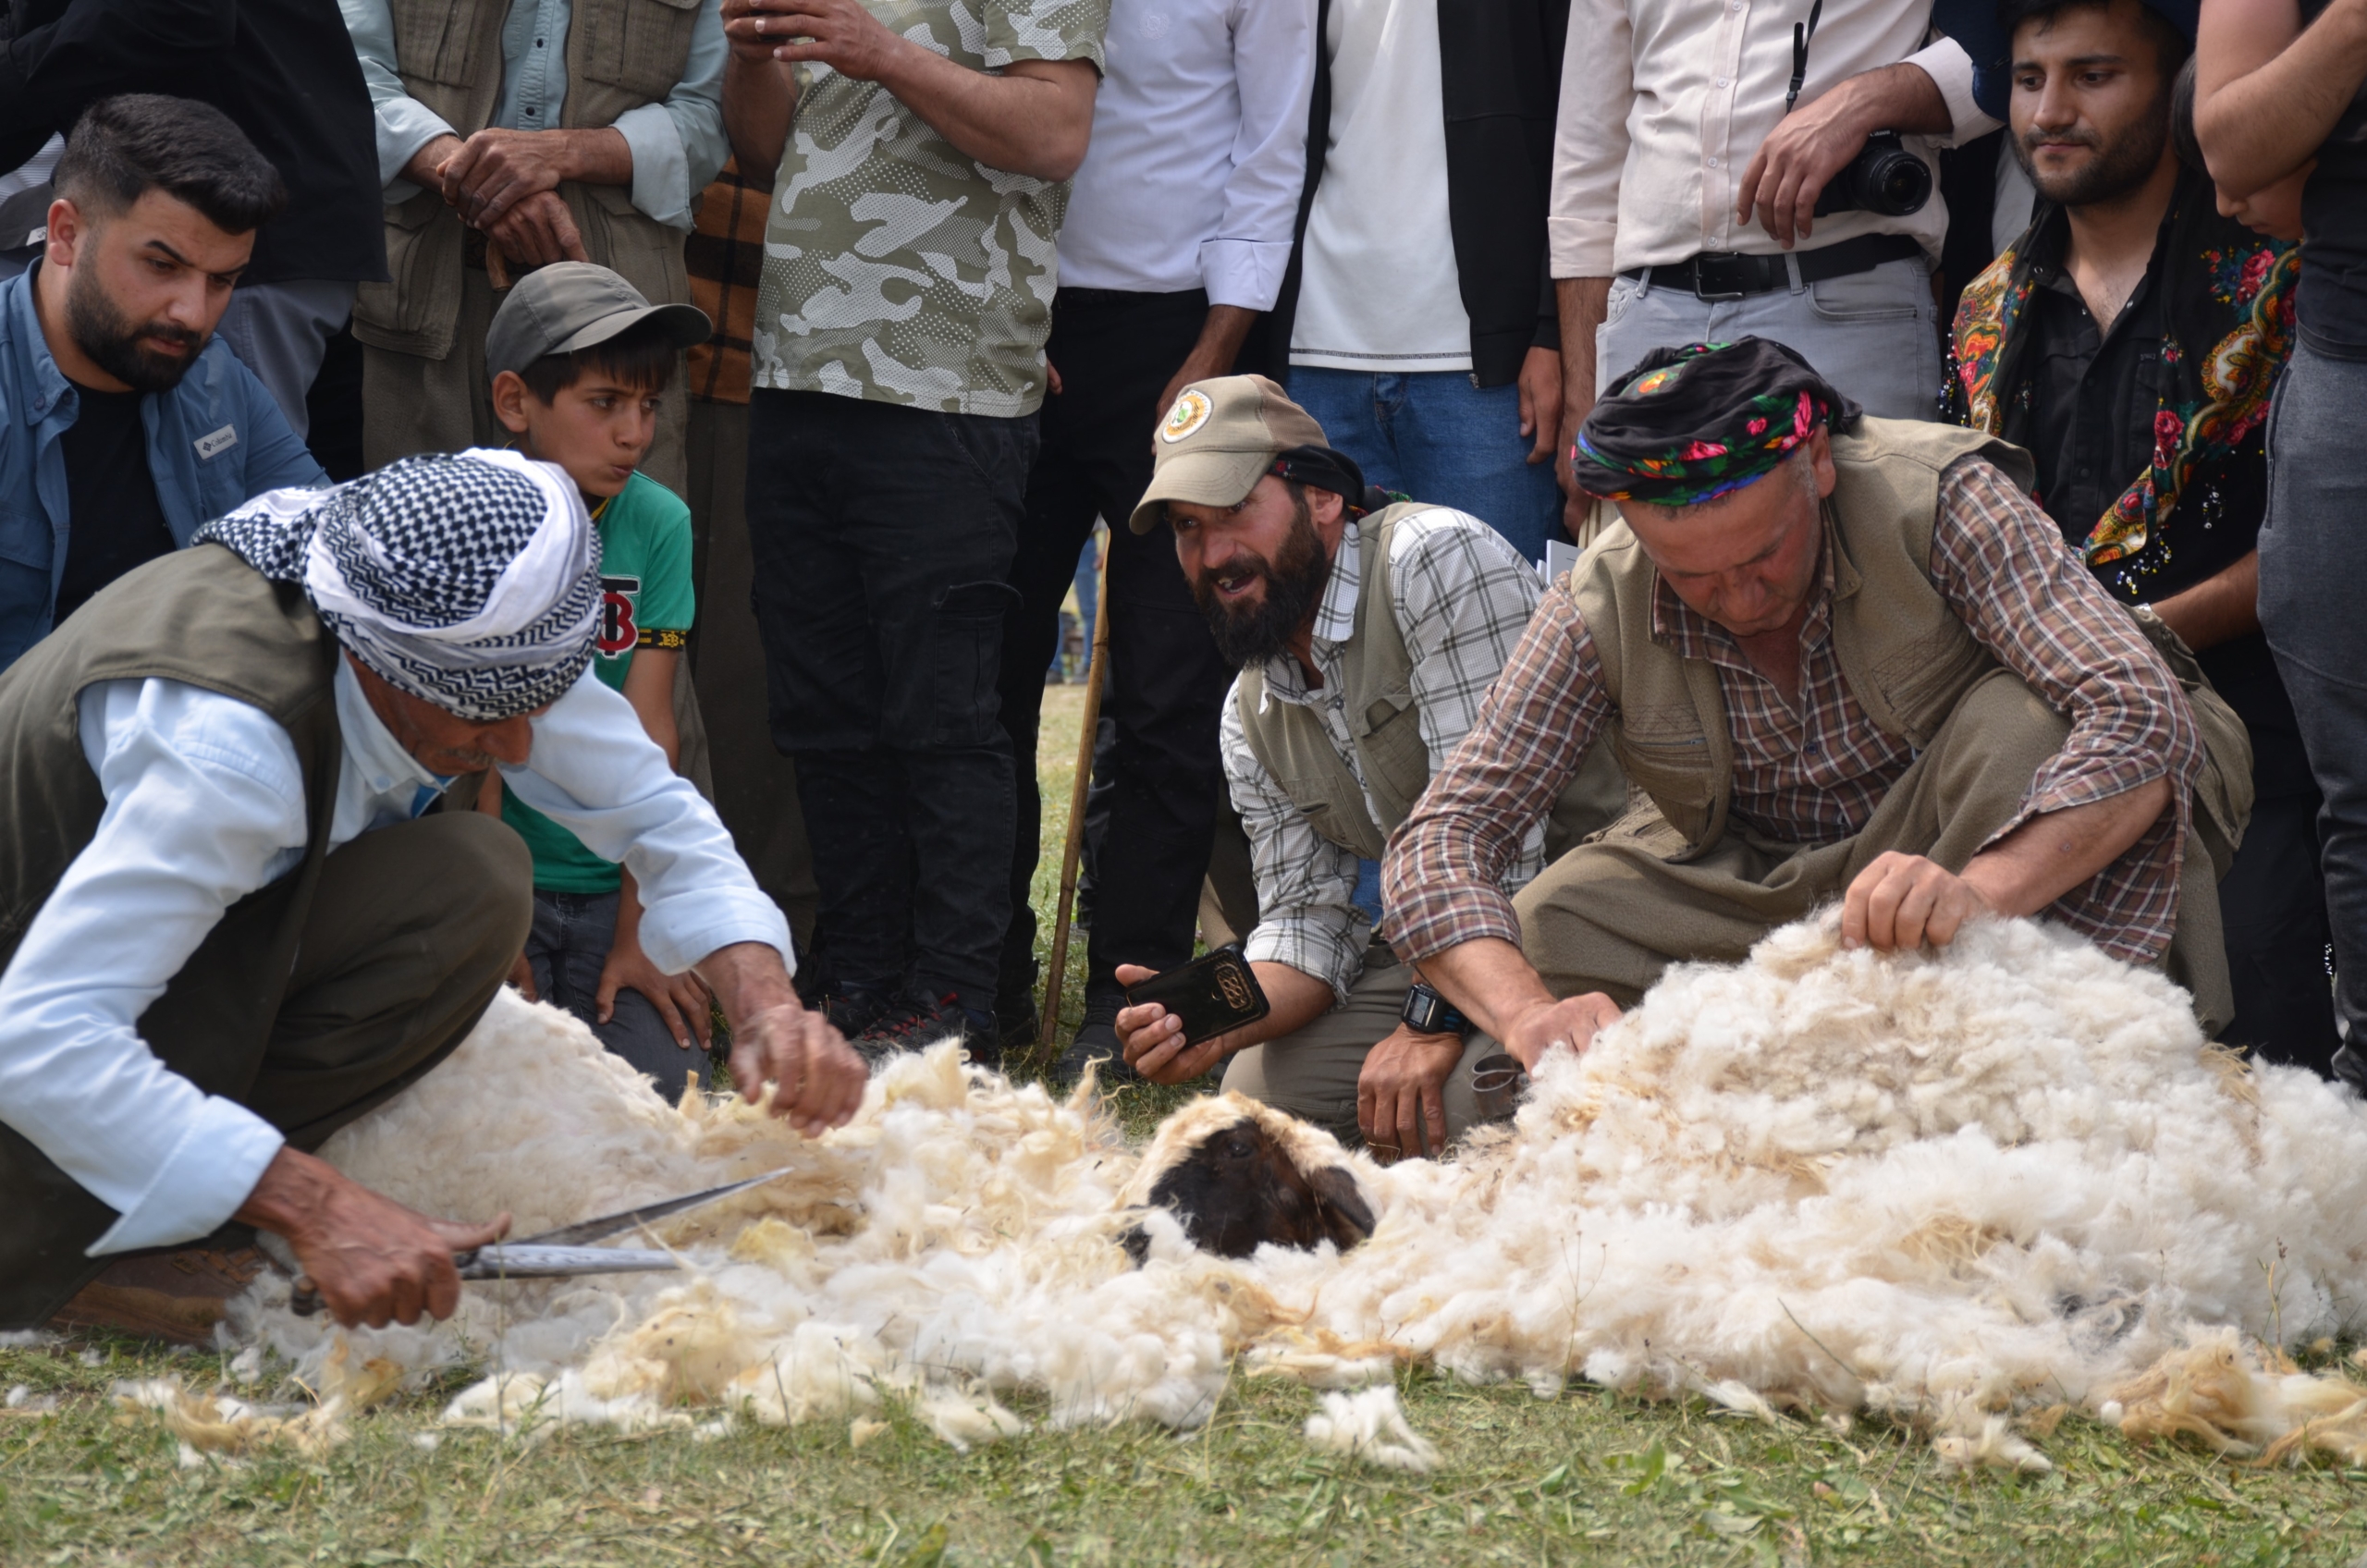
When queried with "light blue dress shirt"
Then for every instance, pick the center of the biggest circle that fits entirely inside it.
(677, 145)
(206, 804)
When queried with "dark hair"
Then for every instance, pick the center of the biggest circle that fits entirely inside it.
(2171, 46)
(125, 146)
(642, 357)
(2182, 137)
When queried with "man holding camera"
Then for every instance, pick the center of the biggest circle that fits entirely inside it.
(1367, 635)
(1731, 168)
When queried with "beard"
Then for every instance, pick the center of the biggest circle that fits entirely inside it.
(112, 341)
(1295, 582)
(2121, 164)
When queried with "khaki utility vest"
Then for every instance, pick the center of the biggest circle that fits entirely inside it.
(1907, 657)
(201, 616)
(1384, 726)
(620, 55)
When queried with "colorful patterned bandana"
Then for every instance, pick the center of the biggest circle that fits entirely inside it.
(1689, 424)
(469, 581)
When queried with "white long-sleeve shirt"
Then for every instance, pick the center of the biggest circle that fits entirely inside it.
(1199, 155)
(206, 804)
(1664, 103)
(678, 144)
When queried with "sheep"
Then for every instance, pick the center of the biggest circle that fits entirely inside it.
(1952, 1188)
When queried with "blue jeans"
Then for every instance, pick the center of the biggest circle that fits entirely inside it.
(1433, 436)
(2313, 558)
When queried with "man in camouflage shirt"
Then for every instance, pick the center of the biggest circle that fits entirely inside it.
(923, 150)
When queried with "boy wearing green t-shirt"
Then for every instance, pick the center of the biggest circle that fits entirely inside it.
(579, 360)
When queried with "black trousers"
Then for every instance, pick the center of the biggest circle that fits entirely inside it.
(882, 538)
(2272, 906)
(397, 951)
(1165, 682)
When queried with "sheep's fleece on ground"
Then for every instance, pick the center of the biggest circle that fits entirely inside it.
(1965, 1191)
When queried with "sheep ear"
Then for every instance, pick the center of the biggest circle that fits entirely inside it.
(1346, 1216)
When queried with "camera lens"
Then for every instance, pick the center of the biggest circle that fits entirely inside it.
(1893, 182)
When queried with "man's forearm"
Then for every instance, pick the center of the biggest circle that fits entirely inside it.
(599, 155)
(1583, 302)
(1294, 999)
(1489, 980)
(1221, 336)
(2266, 93)
(1030, 120)
(759, 105)
(2220, 607)
(747, 979)
(2056, 851)
(1901, 98)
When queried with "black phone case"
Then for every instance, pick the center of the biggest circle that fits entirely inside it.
(1215, 992)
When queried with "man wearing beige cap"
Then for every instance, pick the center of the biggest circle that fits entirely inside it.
(1368, 631)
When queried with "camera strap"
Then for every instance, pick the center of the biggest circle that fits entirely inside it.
(1801, 35)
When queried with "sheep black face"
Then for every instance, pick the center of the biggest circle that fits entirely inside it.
(1238, 1191)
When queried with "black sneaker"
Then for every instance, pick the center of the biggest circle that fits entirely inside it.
(917, 1021)
(1097, 1037)
(853, 1009)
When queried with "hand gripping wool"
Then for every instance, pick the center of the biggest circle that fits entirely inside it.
(1962, 1190)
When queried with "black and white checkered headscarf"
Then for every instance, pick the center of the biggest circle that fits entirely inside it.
(471, 581)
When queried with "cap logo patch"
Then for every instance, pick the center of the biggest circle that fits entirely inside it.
(1190, 412)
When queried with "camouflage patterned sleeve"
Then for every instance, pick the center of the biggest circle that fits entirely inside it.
(1046, 30)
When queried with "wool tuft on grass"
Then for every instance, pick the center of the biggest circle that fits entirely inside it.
(1966, 1190)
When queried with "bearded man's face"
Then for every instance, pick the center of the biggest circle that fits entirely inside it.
(1258, 570)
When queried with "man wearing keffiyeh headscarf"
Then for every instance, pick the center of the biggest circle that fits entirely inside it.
(241, 923)
(1846, 659)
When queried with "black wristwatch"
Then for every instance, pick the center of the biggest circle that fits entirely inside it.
(1426, 1012)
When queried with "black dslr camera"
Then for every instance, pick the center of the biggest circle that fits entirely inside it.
(1883, 177)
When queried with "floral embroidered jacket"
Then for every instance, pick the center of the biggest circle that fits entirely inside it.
(2228, 296)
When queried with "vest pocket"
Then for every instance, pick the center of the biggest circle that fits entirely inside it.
(440, 41)
(1673, 771)
(639, 45)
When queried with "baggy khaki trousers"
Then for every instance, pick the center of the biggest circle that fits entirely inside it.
(1312, 1074)
(1615, 911)
(411, 930)
(412, 404)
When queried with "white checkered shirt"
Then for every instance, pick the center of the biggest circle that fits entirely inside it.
(1463, 598)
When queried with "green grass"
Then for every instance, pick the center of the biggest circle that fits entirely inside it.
(1588, 1478)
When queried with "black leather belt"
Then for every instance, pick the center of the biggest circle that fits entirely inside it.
(1729, 275)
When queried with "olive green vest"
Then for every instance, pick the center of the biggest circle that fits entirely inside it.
(620, 55)
(1377, 691)
(201, 616)
(1907, 657)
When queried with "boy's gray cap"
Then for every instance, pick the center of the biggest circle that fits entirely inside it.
(570, 305)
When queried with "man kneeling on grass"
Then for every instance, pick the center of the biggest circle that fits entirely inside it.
(1367, 633)
(234, 922)
(1845, 657)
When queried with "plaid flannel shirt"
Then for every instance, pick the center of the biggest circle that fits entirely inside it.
(725, 256)
(1811, 773)
(1463, 598)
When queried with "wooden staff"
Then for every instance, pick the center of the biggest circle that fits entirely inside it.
(1077, 791)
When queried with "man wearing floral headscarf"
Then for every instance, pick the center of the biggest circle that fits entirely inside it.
(1845, 657)
(233, 924)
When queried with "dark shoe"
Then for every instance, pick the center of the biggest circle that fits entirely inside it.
(853, 1009)
(174, 1296)
(916, 1022)
(1016, 1031)
(1097, 1040)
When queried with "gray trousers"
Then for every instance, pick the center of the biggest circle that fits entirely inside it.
(567, 948)
(405, 936)
(280, 331)
(1312, 1074)
(1874, 334)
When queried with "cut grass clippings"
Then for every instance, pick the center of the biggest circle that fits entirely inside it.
(1590, 1477)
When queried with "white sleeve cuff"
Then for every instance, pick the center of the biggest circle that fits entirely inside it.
(1582, 247)
(405, 125)
(678, 932)
(661, 171)
(221, 1156)
(1950, 68)
(1246, 273)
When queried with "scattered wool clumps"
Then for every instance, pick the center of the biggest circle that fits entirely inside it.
(1965, 1189)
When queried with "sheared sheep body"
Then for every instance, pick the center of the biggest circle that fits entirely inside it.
(2007, 1176)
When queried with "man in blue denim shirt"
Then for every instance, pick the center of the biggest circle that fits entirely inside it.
(123, 425)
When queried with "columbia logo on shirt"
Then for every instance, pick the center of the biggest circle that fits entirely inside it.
(220, 441)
